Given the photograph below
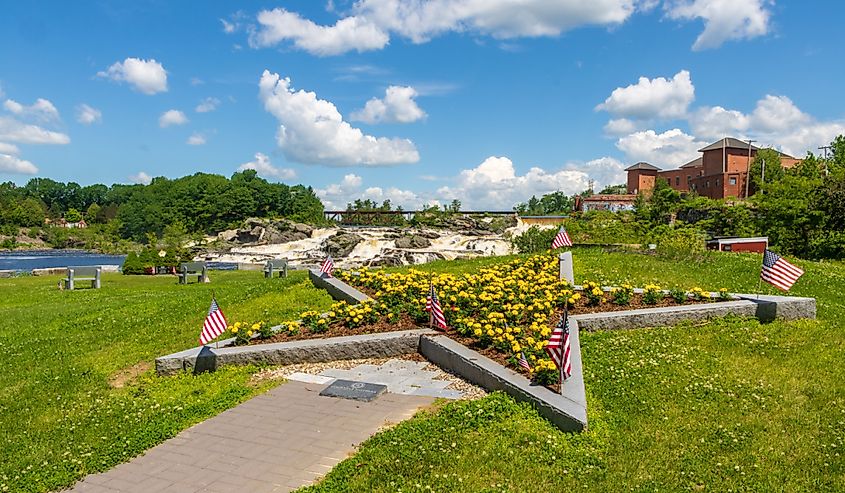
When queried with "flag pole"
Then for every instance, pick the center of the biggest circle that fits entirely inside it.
(431, 301)
(565, 324)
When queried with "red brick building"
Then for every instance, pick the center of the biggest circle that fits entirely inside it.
(720, 172)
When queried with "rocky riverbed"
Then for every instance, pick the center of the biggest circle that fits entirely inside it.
(352, 246)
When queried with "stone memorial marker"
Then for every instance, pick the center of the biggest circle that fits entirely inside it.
(359, 391)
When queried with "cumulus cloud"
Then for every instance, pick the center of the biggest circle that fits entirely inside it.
(398, 106)
(372, 21)
(41, 110)
(262, 165)
(141, 178)
(494, 184)
(621, 126)
(172, 117)
(145, 76)
(724, 20)
(775, 121)
(313, 131)
(667, 150)
(652, 98)
(9, 149)
(196, 139)
(12, 130)
(15, 165)
(352, 33)
(87, 115)
(207, 105)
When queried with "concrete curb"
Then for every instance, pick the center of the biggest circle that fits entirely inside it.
(207, 358)
(568, 411)
(336, 288)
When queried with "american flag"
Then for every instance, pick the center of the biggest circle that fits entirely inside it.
(523, 362)
(561, 239)
(327, 267)
(559, 348)
(214, 325)
(779, 272)
(432, 304)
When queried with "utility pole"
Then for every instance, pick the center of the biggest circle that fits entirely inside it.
(825, 149)
(748, 169)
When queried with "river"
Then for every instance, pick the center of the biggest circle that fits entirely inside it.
(25, 261)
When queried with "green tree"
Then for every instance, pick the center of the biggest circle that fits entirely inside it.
(773, 172)
(93, 213)
(73, 216)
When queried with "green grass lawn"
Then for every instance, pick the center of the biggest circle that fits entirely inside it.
(70, 400)
(731, 405)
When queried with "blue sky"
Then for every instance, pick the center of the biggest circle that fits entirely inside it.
(484, 101)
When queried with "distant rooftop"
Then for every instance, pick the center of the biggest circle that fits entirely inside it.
(728, 142)
(695, 163)
(642, 165)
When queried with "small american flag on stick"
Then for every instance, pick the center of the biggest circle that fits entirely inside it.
(559, 348)
(214, 325)
(327, 266)
(432, 305)
(561, 239)
(523, 361)
(778, 272)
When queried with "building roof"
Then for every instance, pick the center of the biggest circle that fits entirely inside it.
(695, 163)
(642, 165)
(729, 142)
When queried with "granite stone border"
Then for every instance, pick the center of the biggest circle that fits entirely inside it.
(208, 358)
(568, 410)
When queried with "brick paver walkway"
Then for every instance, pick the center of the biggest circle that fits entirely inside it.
(278, 441)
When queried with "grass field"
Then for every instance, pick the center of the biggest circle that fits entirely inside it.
(731, 405)
(77, 393)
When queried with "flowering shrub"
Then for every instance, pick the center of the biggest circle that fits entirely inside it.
(622, 295)
(243, 332)
(724, 295)
(546, 373)
(699, 294)
(313, 321)
(593, 292)
(652, 294)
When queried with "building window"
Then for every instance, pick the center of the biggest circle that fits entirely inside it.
(733, 180)
(717, 182)
(677, 180)
(689, 178)
(707, 184)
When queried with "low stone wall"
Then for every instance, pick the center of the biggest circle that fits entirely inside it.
(568, 411)
(208, 358)
(336, 288)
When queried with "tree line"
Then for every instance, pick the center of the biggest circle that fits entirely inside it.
(200, 203)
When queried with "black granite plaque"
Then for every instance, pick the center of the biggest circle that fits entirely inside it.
(359, 391)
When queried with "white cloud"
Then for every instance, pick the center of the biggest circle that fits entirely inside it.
(652, 98)
(372, 21)
(12, 130)
(337, 195)
(87, 115)
(41, 110)
(398, 106)
(196, 139)
(775, 121)
(172, 117)
(313, 131)
(493, 184)
(667, 150)
(715, 122)
(9, 149)
(621, 126)
(15, 165)
(265, 168)
(141, 178)
(146, 76)
(207, 105)
(351, 33)
(724, 20)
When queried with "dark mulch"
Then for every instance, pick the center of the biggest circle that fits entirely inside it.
(405, 322)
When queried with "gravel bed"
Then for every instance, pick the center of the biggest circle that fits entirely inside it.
(468, 390)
